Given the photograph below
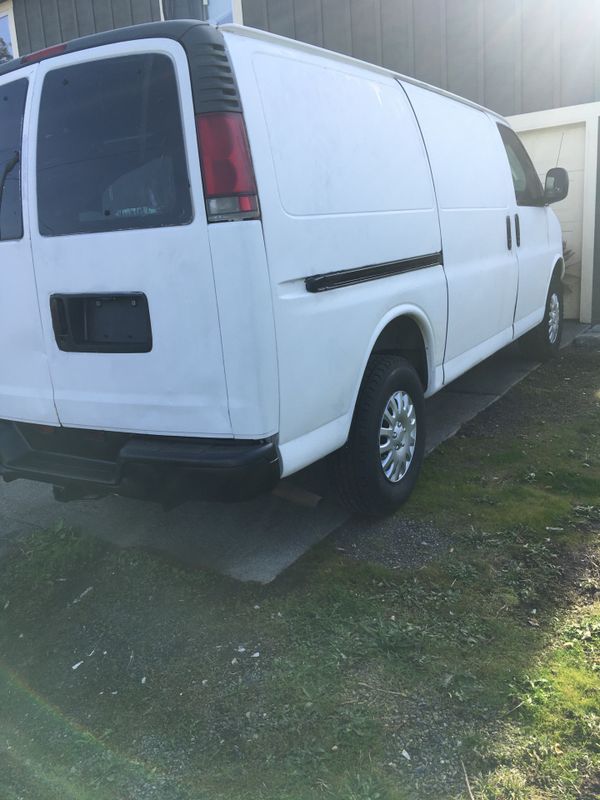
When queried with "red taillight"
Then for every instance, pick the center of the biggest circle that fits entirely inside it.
(229, 185)
(40, 55)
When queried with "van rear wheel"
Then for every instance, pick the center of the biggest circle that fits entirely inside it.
(378, 467)
(543, 342)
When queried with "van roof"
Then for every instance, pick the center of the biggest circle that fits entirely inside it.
(294, 44)
(185, 31)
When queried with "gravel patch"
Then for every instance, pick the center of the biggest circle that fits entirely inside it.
(397, 542)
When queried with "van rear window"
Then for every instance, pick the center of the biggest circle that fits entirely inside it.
(12, 107)
(110, 153)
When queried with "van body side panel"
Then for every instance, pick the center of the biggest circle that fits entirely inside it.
(247, 327)
(303, 450)
(468, 164)
(25, 385)
(125, 233)
(344, 183)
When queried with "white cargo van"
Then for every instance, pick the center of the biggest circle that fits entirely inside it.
(225, 255)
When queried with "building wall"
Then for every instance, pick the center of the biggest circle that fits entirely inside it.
(565, 144)
(184, 9)
(514, 56)
(41, 23)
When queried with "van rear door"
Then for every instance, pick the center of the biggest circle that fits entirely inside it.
(25, 386)
(120, 243)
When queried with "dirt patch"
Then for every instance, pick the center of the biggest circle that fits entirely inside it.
(397, 542)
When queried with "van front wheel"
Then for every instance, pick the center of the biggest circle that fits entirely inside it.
(378, 467)
(543, 342)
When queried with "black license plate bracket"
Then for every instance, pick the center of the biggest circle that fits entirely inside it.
(102, 323)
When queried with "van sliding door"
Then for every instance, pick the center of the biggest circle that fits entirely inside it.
(468, 163)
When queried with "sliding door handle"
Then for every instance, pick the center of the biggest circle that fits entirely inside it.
(518, 230)
(508, 233)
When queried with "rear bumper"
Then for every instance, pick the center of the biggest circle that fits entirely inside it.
(169, 470)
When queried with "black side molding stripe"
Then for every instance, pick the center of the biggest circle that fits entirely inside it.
(349, 277)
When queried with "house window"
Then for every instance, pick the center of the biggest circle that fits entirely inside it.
(220, 11)
(8, 38)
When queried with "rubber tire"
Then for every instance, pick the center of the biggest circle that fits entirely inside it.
(361, 483)
(536, 343)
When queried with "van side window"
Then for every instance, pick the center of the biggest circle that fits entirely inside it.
(110, 151)
(12, 108)
(528, 188)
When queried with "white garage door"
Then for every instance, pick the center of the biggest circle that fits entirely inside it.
(564, 146)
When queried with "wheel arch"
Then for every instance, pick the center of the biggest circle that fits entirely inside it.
(403, 336)
(405, 332)
(558, 270)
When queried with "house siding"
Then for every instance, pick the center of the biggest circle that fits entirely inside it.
(184, 9)
(513, 56)
(42, 23)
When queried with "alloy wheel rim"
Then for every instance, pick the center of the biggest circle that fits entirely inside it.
(554, 318)
(397, 436)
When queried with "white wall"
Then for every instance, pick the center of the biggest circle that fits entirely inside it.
(564, 146)
(568, 137)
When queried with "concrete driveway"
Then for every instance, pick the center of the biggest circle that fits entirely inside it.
(252, 541)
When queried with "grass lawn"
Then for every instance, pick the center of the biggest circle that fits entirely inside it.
(475, 675)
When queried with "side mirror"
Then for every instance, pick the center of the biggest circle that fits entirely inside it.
(557, 185)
